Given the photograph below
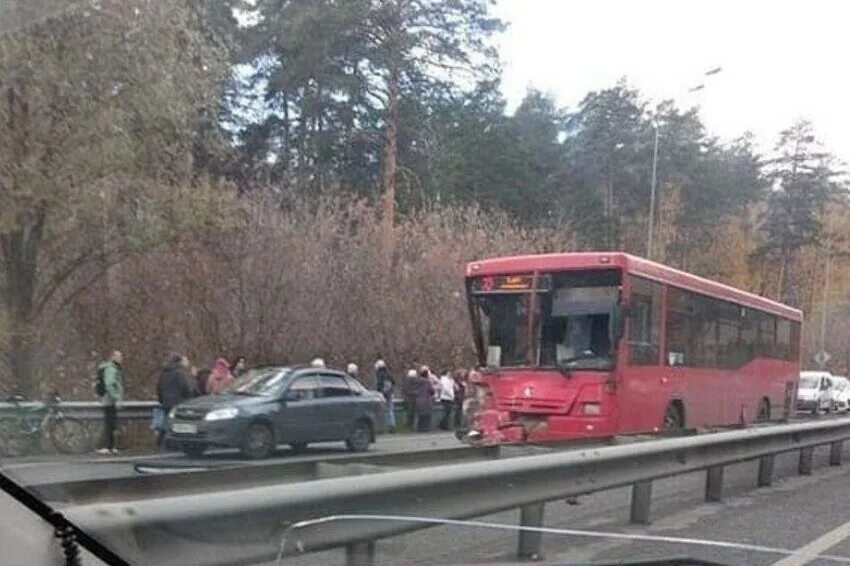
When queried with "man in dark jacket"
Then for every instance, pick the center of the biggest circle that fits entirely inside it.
(424, 400)
(384, 383)
(173, 386)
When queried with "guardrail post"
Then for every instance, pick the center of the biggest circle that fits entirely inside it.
(360, 554)
(494, 452)
(765, 478)
(714, 483)
(835, 453)
(641, 502)
(805, 467)
(530, 541)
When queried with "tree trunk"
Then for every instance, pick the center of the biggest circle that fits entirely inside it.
(20, 251)
(390, 155)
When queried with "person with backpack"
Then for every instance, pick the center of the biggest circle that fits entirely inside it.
(109, 386)
(384, 383)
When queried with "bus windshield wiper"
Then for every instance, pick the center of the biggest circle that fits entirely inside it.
(586, 355)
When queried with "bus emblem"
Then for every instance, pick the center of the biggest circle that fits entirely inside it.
(528, 391)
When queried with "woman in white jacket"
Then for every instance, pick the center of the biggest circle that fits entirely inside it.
(447, 399)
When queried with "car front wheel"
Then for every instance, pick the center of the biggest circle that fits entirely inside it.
(360, 437)
(258, 442)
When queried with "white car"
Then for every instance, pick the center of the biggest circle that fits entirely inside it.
(841, 393)
(814, 392)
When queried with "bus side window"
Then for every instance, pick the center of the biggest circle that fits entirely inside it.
(679, 328)
(644, 322)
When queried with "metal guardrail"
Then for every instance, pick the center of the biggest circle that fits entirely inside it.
(83, 410)
(140, 410)
(248, 525)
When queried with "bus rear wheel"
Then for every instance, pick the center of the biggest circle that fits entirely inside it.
(674, 421)
(763, 414)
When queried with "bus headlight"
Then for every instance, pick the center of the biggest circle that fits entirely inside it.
(590, 409)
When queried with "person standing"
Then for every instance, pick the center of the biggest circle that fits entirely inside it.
(424, 400)
(201, 380)
(109, 373)
(435, 383)
(240, 366)
(460, 395)
(172, 387)
(220, 377)
(408, 391)
(352, 370)
(384, 383)
(447, 399)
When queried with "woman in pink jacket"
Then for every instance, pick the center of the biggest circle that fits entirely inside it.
(220, 377)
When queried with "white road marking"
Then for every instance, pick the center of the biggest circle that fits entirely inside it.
(289, 535)
(809, 552)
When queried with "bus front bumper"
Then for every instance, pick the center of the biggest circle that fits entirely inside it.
(490, 427)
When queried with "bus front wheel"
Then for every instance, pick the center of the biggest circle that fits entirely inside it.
(763, 414)
(674, 420)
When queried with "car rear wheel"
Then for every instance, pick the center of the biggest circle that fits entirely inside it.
(360, 437)
(298, 447)
(193, 450)
(258, 442)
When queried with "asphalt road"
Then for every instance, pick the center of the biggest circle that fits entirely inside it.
(791, 514)
(54, 468)
(797, 512)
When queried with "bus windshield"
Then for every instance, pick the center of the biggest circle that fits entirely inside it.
(567, 326)
(503, 326)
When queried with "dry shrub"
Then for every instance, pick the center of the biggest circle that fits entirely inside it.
(286, 286)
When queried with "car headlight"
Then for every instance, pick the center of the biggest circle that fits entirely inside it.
(172, 412)
(222, 414)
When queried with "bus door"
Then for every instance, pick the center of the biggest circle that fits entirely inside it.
(643, 379)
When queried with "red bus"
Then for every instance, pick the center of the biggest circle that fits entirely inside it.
(598, 344)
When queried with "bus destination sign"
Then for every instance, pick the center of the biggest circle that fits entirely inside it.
(495, 283)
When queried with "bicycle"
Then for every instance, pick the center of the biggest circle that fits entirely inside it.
(21, 432)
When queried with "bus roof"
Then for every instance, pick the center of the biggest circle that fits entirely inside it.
(630, 264)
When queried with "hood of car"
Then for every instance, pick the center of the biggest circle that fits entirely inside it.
(208, 402)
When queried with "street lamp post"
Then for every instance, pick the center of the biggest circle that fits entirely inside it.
(652, 193)
(654, 181)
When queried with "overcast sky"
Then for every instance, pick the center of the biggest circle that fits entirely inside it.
(781, 60)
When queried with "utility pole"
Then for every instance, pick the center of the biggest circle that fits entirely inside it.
(652, 193)
(654, 182)
(825, 308)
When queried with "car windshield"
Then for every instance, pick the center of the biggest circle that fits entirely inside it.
(809, 382)
(260, 381)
